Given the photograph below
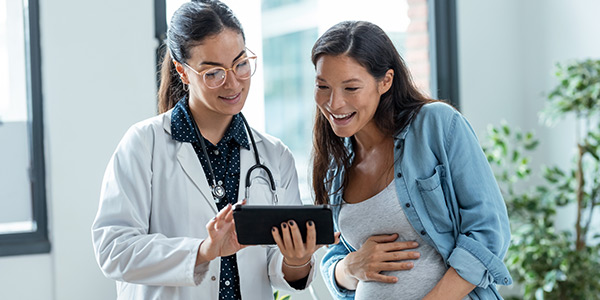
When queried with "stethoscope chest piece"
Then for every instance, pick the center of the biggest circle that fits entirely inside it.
(218, 192)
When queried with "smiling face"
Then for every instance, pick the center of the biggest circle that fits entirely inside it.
(222, 50)
(347, 94)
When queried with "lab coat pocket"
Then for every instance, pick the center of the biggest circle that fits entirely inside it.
(435, 203)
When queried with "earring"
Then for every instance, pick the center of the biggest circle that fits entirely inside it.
(185, 87)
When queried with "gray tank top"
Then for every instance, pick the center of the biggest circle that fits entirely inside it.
(382, 214)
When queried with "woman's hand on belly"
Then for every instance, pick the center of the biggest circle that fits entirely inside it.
(379, 253)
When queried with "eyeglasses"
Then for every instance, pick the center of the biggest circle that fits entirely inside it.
(242, 69)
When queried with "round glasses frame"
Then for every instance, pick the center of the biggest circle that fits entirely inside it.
(250, 59)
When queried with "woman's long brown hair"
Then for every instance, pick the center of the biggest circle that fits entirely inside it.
(372, 48)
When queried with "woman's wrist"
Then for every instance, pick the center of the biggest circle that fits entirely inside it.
(202, 256)
(342, 275)
(297, 265)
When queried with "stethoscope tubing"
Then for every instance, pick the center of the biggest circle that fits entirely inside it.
(257, 165)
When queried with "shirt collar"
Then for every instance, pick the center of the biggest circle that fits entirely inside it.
(182, 127)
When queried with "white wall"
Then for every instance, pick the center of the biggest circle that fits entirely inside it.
(98, 79)
(507, 52)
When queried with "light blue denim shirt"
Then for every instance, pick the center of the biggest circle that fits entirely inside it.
(449, 194)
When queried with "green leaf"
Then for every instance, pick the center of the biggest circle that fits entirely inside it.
(506, 129)
(515, 156)
(529, 136)
(532, 145)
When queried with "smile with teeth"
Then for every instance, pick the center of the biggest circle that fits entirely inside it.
(342, 116)
(231, 97)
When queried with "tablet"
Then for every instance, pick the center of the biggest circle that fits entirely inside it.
(253, 223)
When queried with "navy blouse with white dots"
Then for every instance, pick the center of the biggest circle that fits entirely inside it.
(225, 160)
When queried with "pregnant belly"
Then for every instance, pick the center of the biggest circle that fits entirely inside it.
(412, 284)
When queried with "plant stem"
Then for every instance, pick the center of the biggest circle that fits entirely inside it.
(580, 241)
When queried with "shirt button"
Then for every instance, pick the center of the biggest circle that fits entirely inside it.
(398, 146)
(407, 204)
(213, 278)
(399, 175)
(505, 280)
(423, 232)
(216, 152)
(227, 283)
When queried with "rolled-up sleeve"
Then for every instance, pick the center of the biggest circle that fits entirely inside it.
(484, 231)
(477, 265)
(334, 254)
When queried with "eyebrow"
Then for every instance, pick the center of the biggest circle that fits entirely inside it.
(351, 80)
(343, 82)
(219, 64)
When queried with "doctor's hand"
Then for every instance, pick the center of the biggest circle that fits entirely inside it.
(379, 253)
(297, 254)
(222, 238)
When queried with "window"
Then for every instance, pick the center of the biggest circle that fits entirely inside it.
(23, 224)
(282, 33)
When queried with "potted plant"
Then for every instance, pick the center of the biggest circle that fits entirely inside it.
(276, 296)
(548, 263)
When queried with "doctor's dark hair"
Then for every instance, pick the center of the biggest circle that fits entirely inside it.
(370, 47)
(191, 23)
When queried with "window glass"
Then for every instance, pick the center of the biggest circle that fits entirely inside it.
(15, 154)
(269, 4)
(289, 84)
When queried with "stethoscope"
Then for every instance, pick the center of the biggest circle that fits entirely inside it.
(217, 189)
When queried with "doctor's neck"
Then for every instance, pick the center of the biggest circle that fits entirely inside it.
(212, 124)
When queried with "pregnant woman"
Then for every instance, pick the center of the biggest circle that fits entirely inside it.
(415, 200)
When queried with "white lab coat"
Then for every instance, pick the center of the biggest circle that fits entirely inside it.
(154, 205)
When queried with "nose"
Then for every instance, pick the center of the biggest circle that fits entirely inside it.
(336, 101)
(231, 81)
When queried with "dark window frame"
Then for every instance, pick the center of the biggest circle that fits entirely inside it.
(37, 241)
(160, 33)
(443, 41)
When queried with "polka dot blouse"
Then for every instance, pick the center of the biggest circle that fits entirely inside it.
(225, 160)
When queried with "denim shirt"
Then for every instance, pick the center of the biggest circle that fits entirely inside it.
(449, 195)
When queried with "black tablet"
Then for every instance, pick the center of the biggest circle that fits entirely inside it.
(253, 223)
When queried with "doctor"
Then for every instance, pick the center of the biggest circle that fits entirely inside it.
(164, 228)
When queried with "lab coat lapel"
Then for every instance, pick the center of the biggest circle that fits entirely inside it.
(193, 169)
(187, 158)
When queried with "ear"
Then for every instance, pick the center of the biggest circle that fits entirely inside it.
(385, 83)
(181, 70)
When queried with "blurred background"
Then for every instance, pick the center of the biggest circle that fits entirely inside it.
(74, 75)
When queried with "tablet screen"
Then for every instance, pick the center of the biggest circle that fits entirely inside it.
(253, 223)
